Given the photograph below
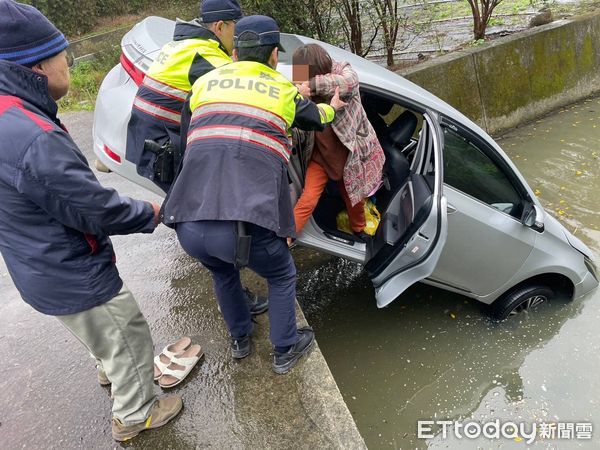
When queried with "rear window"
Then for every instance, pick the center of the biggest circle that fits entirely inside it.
(290, 43)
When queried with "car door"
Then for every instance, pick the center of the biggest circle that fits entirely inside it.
(487, 242)
(413, 228)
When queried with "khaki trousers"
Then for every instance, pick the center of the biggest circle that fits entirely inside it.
(117, 335)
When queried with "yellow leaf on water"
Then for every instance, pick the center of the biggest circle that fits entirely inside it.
(578, 172)
(561, 212)
(453, 316)
(562, 188)
(518, 439)
(538, 192)
(561, 202)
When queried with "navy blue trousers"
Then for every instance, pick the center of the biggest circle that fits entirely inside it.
(213, 244)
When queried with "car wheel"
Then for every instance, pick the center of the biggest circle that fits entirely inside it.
(521, 299)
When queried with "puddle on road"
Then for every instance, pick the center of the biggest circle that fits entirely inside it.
(434, 355)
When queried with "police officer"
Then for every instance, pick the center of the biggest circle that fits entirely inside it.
(233, 186)
(56, 219)
(196, 49)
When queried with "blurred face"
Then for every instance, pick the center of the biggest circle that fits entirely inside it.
(56, 69)
(300, 73)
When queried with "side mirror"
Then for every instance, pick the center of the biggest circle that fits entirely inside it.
(533, 217)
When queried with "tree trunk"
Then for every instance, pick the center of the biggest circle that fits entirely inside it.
(390, 57)
(479, 27)
(355, 35)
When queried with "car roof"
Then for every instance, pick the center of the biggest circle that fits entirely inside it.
(149, 35)
(374, 75)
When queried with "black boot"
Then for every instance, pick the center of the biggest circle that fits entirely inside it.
(283, 362)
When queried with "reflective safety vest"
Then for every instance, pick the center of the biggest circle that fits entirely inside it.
(251, 102)
(170, 77)
(235, 163)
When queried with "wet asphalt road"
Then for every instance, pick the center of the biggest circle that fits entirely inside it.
(50, 399)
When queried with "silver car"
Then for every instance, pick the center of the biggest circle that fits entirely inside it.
(455, 211)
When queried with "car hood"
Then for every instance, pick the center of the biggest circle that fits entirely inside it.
(553, 226)
(577, 244)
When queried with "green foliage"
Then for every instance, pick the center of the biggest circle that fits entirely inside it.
(305, 17)
(72, 17)
(496, 22)
(86, 78)
(77, 17)
(476, 42)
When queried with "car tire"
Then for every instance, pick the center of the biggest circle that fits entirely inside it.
(520, 299)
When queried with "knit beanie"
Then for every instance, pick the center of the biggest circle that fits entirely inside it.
(26, 35)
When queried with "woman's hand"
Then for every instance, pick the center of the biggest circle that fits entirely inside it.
(304, 89)
(336, 102)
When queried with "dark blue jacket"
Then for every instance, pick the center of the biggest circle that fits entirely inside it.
(235, 163)
(55, 217)
(156, 114)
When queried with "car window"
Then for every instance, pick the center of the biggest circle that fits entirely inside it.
(471, 171)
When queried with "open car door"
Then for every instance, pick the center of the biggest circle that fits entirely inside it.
(413, 229)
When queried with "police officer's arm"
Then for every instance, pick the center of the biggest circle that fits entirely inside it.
(201, 65)
(310, 116)
(55, 175)
(186, 118)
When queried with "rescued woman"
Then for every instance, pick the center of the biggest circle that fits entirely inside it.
(348, 151)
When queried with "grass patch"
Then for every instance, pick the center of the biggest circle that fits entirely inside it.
(86, 78)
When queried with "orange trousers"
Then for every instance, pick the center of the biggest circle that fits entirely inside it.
(314, 185)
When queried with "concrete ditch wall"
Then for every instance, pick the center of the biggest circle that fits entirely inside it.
(516, 79)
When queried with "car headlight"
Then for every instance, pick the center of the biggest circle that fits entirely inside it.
(591, 265)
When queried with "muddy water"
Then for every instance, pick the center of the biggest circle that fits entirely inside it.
(433, 355)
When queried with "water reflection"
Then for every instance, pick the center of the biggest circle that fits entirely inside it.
(435, 355)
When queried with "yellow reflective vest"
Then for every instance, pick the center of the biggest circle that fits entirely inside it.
(180, 63)
(235, 163)
(157, 107)
(252, 102)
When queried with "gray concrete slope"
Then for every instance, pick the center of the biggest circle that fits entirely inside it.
(48, 389)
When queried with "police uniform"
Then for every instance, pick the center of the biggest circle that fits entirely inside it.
(157, 108)
(235, 169)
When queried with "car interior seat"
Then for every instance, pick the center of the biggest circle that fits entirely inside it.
(396, 169)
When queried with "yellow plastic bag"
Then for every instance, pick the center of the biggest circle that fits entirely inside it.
(372, 218)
